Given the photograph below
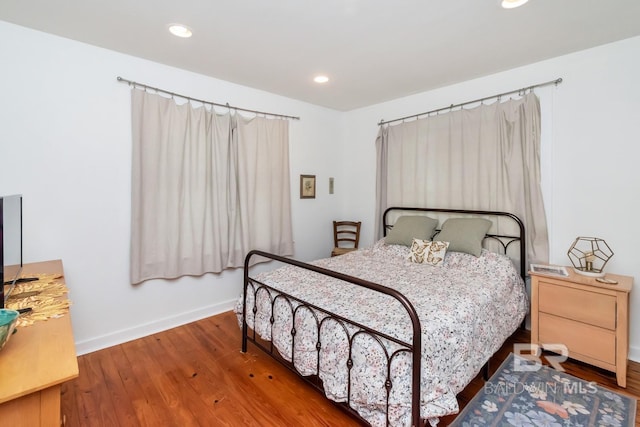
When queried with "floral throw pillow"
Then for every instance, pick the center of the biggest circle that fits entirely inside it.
(428, 252)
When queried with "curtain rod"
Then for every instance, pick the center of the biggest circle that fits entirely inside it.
(231, 107)
(551, 82)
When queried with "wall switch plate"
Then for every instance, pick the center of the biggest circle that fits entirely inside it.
(330, 185)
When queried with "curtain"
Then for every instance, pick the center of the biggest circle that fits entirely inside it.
(484, 158)
(263, 216)
(200, 194)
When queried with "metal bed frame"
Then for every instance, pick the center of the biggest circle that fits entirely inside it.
(322, 316)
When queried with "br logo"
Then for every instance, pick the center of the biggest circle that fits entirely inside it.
(530, 357)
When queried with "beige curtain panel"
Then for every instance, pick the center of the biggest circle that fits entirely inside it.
(206, 188)
(485, 158)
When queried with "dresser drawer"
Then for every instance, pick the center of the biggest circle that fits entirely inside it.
(577, 304)
(587, 340)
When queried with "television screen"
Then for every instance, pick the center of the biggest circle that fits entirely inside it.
(10, 243)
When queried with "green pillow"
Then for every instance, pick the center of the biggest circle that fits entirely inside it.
(464, 234)
(408, 228)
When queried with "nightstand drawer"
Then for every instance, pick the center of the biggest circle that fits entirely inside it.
(587, 340)
(577, 304)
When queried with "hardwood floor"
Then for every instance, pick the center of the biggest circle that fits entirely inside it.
(195, 375)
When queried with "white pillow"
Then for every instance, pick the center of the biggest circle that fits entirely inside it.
(428, 252)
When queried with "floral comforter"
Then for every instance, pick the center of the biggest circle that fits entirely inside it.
(467, 309)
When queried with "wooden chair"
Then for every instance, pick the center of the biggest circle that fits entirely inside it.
(346, 236)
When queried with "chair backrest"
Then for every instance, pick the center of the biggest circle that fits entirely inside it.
(346, 234)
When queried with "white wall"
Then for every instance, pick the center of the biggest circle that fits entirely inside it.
(65, 144)
(591, 150)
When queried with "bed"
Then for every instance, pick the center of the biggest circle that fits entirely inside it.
(394, 331)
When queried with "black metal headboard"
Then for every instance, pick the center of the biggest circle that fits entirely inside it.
(504, 240)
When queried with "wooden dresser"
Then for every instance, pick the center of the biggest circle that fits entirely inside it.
(34, 364)
(590, 318)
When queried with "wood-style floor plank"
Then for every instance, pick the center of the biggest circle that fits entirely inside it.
(195, 375)
(121, 382)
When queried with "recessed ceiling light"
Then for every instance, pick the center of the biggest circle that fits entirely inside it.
(510, 4)
(180, 30)
(321, 79)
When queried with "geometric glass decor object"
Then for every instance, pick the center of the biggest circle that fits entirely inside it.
(589, 255)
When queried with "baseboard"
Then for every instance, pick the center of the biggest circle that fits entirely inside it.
(95, 344)
(634, 353)
(119, 337)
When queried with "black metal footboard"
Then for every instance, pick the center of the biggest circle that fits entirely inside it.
(322, 316)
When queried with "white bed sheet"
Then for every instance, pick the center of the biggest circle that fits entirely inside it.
(467, 308)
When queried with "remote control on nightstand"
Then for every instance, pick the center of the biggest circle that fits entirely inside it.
(607, 281)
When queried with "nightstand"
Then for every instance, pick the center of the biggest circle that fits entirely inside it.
(590, 318)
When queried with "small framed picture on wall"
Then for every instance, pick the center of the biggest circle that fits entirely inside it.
(307, 186)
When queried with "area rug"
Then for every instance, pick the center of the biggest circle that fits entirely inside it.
(527, 394)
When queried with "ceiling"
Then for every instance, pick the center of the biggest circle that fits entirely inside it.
(372, 50)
